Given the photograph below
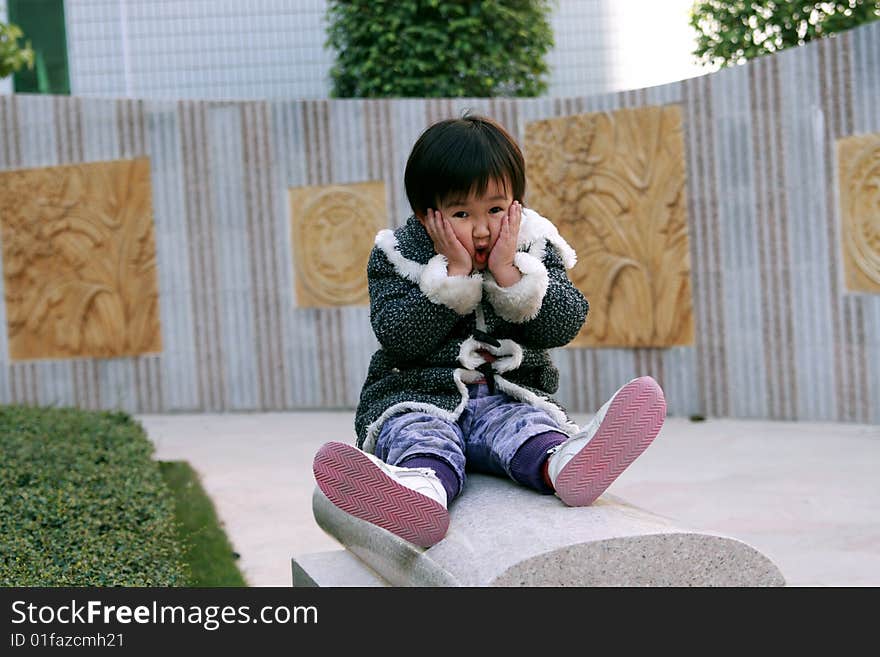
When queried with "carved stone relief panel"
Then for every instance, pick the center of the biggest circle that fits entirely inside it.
(858, 161)
(79, 261)
(614, 185)
(333, 228)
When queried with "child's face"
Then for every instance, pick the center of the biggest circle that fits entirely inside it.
(476, 220)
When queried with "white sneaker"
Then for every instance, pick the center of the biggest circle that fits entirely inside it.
(408, 502)
(585, 465)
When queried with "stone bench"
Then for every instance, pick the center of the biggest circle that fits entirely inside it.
(502, 534)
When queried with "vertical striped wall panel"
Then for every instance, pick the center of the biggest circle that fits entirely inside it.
(777, 334)
(866, 119)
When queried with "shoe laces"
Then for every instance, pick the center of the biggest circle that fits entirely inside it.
(429, 472)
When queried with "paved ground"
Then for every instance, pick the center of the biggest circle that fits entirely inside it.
(805, 494)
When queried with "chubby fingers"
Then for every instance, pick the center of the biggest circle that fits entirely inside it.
(431, 217)
(446, 227)
(443, 228)
(440, 231)
(515, 214)
(510, 222)
(430, 223)
(425, 220)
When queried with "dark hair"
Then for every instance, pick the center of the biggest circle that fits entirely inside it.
(461, 156)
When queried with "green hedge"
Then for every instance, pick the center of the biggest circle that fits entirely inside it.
(82, 503)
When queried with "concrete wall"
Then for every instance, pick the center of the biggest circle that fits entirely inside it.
(777, 334)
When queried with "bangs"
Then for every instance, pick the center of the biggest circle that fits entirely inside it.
(458, 158)
(467, 170)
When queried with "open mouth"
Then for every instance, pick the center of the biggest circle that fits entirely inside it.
(481, 255)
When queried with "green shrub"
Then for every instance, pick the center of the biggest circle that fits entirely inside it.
(82, 503)
(439, 48)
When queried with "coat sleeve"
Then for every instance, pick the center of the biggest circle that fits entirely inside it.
(544, 308)
(414, 318)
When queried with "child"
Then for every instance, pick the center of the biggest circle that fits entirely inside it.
(465, 300)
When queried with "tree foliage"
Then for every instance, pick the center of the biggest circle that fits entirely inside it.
(13, 56)
(434, 48)
(733, 31)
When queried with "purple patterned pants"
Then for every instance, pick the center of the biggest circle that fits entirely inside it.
(485, 439)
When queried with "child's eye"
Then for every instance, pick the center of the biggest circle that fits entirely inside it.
(461, 214)
(496, 210)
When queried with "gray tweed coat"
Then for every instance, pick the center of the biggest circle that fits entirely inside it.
(429, 326)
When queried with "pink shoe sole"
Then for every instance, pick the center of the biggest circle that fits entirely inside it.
(359, 487)
(633, 420)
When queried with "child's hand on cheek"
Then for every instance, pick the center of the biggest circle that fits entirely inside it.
(446, 243)
(502, 253)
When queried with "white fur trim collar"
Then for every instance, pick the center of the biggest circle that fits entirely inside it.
(409, 269)
(535, 230)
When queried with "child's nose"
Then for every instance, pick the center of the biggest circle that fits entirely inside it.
(481, 228)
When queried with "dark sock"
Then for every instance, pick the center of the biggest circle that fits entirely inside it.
(441, 468)
(528, 466)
